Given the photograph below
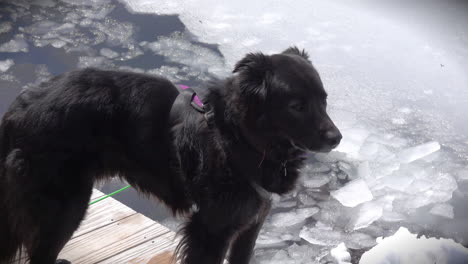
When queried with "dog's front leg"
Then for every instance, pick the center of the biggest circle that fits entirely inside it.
(244, 243)
(205, 241)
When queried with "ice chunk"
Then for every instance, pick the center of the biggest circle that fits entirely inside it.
(398, 121)
(294, 217)
(444, 209)
(44, 3)
(285, 204)
(178, 49)
(398, 182)
(367, 214)
(392, 216)
(353, 138)
(318, 167)
(117, 33)
(375, 151)
(353, 193)
(435, 188)
(87, 2)
(319, 235)
(15, 45)
(86, 61)
(5, 27)
(405, 248)
(462, 175)
(6, 64)
(316, 180)
(357, 240)
(58, 43)
(341, 254)
(274, 237)
(417, 152)
(106, 52)
(281, 257)
(306, 199)
(363, 171)
(302, 253)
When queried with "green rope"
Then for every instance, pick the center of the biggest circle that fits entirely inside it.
(109, 195)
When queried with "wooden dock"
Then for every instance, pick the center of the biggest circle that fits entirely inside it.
(113, 233)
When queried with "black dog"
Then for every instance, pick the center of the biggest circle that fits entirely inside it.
(247, 142)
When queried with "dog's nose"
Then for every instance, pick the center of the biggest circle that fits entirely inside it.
(332, 137)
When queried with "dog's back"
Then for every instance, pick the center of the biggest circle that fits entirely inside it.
(57, 138)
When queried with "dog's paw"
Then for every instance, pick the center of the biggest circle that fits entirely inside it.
(62, 261)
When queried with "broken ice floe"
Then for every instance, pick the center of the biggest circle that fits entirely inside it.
(177, 48)
(5, 27)
(18, 44)
(405, 248)
(6, 64)
(367, 214)
(341, 254)
(86, 61)
(354, 193)
(106, 52)
(293, 217)
(321, 235)
(444, 209)
(415, 153)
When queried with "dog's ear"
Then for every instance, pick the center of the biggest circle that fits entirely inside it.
(253, 71)
(295, 51)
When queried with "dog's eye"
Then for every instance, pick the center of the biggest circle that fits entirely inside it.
(298, 106)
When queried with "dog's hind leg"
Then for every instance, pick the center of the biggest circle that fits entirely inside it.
(9, 243)
(60, 215)
(56, 226)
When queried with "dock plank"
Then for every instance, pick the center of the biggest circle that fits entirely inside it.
(103, 213)
(159, 248)
(113, 233)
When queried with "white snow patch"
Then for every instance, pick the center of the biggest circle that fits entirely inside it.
(405, 248)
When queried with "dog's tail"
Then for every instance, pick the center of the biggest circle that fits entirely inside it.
(9, 243)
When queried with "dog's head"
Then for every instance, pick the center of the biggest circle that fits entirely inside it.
(286, 100)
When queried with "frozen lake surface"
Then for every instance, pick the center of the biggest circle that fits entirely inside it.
(398, 91)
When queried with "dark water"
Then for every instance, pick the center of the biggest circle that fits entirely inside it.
(32, 22)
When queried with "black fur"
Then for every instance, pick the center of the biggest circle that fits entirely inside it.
(86, 125)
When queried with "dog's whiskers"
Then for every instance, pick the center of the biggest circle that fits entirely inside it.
(296, 146)
(263, 158)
